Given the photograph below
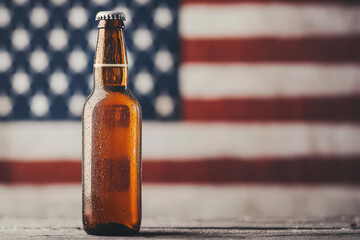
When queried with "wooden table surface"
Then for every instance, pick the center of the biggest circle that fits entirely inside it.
(342, 227)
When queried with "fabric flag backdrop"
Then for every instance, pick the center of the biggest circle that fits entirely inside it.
(233, 92)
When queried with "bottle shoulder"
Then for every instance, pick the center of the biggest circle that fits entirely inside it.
(98, 99)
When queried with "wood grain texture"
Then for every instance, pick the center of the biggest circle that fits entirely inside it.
(241, 228)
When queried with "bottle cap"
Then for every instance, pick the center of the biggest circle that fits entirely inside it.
(110, 15)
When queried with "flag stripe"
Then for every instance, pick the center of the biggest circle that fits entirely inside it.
(305, 170)
(187, 204)
(38, 141)
(186, 140)
(213, 81)
(268, 20)
(44, 172)
(329, 109)
(275, 171)
(326, 50)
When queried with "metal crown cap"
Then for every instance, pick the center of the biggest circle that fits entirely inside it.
(110, 15)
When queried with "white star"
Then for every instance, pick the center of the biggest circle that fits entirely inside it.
(164, 105)
(78, 17)
(38, 60)
(4, 17)
(5, 62)
(58, 38)
(20, 2)
(39, 17)
(58, 83)
(100, 2)
(77, 61)
(76, 104)
(39, 105)
(142, 39)
(58, 2)
(5, 105)
(143, 83)
(20, 82)
(92, 38)
(163, 17)
(20, 39)
(164, 61)
(142, 2)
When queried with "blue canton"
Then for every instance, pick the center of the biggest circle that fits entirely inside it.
(47, 50)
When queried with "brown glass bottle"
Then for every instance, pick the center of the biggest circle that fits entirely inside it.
(111, 162)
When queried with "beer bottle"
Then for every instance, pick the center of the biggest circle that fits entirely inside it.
(111, 159)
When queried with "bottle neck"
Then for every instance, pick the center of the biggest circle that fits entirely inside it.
(110, 64)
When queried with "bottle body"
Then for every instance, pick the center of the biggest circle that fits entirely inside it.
(111, 163)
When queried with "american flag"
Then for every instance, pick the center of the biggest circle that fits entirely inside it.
(232, 91)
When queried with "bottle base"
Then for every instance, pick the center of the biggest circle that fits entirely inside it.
(111, 229)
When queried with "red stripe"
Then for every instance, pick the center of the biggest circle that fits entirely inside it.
(267, 1)
(329, 109)
(321, 49)
(310, 170)
(40, 172)
(286, 171)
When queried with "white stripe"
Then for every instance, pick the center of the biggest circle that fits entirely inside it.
(182, 141)
(210, 81)
(197, 202)
(273, 20)
(199, 140)
(110, 65)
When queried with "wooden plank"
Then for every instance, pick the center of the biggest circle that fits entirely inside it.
(61, 228)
